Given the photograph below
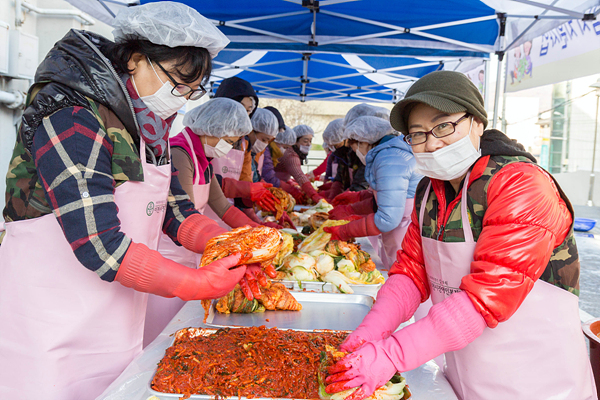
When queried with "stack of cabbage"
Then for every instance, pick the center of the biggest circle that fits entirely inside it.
(319, 259)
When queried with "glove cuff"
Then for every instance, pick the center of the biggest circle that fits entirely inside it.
(142, 270)
(236, 218)
(196, 230)
(233, 188)
(363, 207)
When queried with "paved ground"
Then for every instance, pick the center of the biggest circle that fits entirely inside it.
(588, 244)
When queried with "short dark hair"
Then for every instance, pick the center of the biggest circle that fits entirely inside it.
(190, 62)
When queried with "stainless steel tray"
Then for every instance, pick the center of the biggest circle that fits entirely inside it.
(312, 286)
(334, 311)
(171, 396)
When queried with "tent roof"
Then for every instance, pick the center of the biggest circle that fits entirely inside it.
(361, 49)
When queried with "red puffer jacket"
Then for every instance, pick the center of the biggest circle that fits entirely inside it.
(525, 220)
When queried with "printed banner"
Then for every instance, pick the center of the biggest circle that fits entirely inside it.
(569, 51)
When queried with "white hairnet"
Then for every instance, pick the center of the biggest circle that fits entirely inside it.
(171, 24)
(303, 130)
(219, 117)
(265, 121)
(364, 109)
(286, 137)
(368, 129)
(334, 133)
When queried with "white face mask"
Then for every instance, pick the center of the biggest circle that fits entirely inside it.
(361, 157)
(220, 150)
(258, 146)
(304, 149)
(449, 162)
(162, 102)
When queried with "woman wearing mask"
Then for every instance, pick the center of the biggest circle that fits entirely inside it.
(491, 241)
(264, 129)
(89, 191)
(333, 139)
(240, 162)
(211, 131)
(351, 172)
(390, 172)
(290, 164)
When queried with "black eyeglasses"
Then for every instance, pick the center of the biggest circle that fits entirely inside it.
(181, 89)
(439, 131)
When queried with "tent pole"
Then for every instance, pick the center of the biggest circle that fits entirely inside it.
(498, 88)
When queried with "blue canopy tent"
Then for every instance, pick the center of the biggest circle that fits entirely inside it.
(369, 50)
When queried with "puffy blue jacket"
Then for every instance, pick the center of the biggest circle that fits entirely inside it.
(390, 171)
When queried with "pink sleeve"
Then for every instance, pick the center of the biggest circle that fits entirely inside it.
(293, 167)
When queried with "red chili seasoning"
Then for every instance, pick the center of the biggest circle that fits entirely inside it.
(248, 362)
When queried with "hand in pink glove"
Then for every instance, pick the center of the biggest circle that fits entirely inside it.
(252, 215)
(145, 270)
(311, 192)
(450, 325)
(260, 194)
(272, 225)
(341, 212)
(196, 230)
(254, 278)
(351, 197)
(286, 221)
(397, 301)
(358, 228)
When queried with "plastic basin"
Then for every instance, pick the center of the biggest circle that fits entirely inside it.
(584, 224)
(591, 329)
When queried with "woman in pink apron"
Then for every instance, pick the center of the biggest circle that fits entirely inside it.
(89, 191)
(491, 242)
(290, 163)
(211, 130)
(390, 171)
(249, 190)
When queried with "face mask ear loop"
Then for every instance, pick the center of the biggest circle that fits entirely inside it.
(479, 138)
(155, 73)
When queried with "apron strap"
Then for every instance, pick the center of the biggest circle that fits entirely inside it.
(464, 211)
(196, 165)
(423, 204)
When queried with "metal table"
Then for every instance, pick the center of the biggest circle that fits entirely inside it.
(426, 382)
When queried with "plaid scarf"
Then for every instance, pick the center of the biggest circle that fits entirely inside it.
(154, 129)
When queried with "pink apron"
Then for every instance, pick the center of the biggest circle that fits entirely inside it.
(66, 334)
(229, 166)
(161, 310)
(388, 243)
(260, 163)
(539, 353)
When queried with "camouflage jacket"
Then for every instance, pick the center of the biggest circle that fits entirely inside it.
(522, 223)
(74, 147)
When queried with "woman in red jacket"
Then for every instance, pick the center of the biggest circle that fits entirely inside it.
(491, 241)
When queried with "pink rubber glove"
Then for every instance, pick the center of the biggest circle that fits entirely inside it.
(254, 278)
(341, 212)
(351, 197)
(252, 215)
(196, 230)
(397, 301)
(235, 218)
(286, 220)
(450, 325)
(257, 192)
(336, 188)
(311, 192)
(272, 225)
(364, 207)
(147, 271)
(260, 194)
(359, 228)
